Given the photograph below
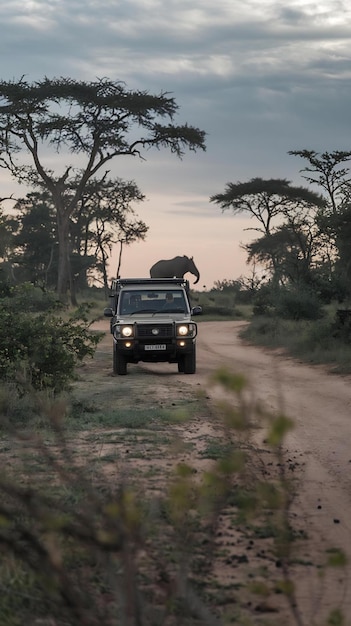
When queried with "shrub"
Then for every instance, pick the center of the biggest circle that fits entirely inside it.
(41, 349)
(298, 304)
(222, 311)
(28, 297)
(263, 300)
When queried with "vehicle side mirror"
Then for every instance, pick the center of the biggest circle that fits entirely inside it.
(108, 312)
(196, 310)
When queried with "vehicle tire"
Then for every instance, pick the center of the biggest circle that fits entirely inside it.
(181, 364)
(190, 362)
(119, 363)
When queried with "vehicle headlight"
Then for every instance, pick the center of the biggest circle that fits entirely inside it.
(183, 330)
(126, 331)
(186, 330)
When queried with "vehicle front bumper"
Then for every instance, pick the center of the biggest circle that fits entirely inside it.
(169, 350)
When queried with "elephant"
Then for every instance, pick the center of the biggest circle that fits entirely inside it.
(175, 268)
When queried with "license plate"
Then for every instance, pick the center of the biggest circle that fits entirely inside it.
(156, 346)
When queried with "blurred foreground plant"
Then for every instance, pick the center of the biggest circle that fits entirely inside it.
(80, 547)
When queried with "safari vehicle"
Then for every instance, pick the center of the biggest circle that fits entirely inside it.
(151, 321)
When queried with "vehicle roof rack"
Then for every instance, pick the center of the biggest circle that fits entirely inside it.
(119, 282)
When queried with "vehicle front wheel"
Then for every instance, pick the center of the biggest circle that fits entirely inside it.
(119, 362)
(181, 364)
(189, 362)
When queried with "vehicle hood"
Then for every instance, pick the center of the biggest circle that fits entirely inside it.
(152, 318)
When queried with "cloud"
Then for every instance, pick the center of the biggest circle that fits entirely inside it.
(261, 77)
(201, 208)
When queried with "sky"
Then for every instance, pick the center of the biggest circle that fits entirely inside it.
(260, 77)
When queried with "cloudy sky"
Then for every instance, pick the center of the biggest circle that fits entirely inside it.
(261, 77)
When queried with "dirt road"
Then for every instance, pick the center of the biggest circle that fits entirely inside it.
(320, 405)
(319, 447)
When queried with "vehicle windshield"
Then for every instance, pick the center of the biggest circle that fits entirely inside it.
(152, 301)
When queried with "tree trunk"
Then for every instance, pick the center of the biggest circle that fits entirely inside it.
(72, 286)
(63, 277)
(118, 275)
(104, 270)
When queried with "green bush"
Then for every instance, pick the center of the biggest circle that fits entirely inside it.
(298, 304)
(263, 300)
(28, 297)
(41, 349)
(222, 311)
(291, 303)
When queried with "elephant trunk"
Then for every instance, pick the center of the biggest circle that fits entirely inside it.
(198, 277)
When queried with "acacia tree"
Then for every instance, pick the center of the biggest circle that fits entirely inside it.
(95, 121)
(105, 217)
(265, 200)
(6, 239)
(329, 171)
(35, 246)
(102, 218)
(296, 245)
(271, 202)
(293, 249)
(6, 247)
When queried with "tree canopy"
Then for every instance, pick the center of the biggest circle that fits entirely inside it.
(330, 172)
(95, 121)
(283, 213)
(265, 200)
(327, 170)
(103, 217)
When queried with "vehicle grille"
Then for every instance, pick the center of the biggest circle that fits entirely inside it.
(145, 330)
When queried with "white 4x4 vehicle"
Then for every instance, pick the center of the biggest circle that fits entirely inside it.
(151, 321)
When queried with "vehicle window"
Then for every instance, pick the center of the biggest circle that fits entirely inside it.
(130, 301)
(152, 300)
(173, 300)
